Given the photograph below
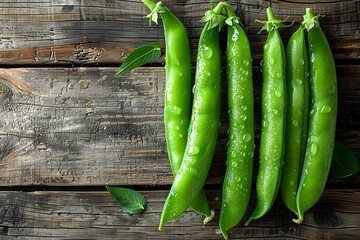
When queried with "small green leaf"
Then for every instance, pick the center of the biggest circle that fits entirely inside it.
(208, 16)
(344, 162)
(154, 17)
(129, 200)
(140, 56)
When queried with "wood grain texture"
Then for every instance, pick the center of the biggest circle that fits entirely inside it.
(105, 31)
(96, 215)
(84, 126)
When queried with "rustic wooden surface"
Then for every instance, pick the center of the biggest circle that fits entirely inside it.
(69, 127)
(95, 215)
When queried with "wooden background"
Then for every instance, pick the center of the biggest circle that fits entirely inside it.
(69, 127)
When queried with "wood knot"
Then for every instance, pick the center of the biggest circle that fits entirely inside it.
(5, 95)
(10, 84)
(327, 218)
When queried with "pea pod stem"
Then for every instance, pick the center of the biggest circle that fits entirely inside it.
(273, 108)
(204, 124)
(322, 119)
(177, 93)
(238, 177)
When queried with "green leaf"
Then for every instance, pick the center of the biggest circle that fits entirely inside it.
(344, 162)
(154, 17)
(140, 56)
(129, 200)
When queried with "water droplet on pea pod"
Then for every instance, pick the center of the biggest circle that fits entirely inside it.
(314, 149)
(275, 112)
(193, 150)
(177, 110)
(264, 123)
(208, 52)
(278, 93)
(325, 109)
(207, 73)
(246, 137)
(234, 164)
(243, 117)
(271, 61)
(299, 81)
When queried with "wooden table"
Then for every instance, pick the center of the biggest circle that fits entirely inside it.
(80, 128)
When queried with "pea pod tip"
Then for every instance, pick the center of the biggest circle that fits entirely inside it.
(209, 218)
(297, 221)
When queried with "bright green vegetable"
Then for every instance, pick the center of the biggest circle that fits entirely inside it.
(273, 109)
(204, 124)
(297, 72)
(322, 120)
(237, 182)
(177, 92)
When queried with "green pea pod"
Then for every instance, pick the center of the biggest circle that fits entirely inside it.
(297, 83)
(177, 92)
(237, 182)
(273, 109)
(322, 119)
(204, 124)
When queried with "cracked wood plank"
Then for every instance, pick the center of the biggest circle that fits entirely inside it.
(98, 31)
(96, 215)
(84, 126)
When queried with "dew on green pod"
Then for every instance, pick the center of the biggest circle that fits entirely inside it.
(314, 149)
(233, 154)
(193, 150)
(325, 109)
(295, 122)
(237, 179)
(271, 61)
(234, 164)
(299, 81)
(278, 93)
(208, 52)
(247, 137)
(177, 110)
(265, 123)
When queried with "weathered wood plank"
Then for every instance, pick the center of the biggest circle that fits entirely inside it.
(96, 215)
(88, 31)
(84, 126)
